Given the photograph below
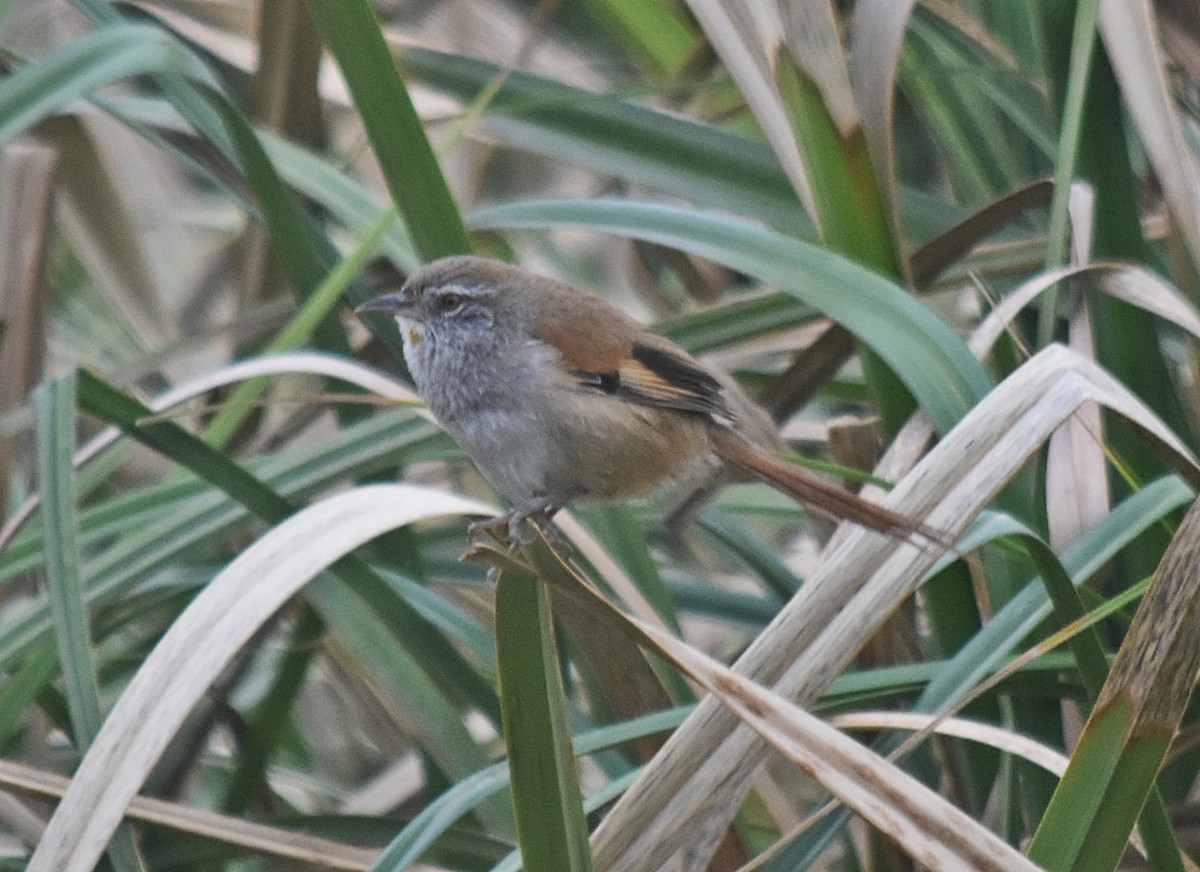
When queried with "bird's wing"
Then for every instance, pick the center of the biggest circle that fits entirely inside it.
(648, 369)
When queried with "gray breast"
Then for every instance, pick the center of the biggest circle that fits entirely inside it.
(498, 402)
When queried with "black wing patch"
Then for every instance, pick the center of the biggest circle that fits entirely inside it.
(654, 377)
(605, 382)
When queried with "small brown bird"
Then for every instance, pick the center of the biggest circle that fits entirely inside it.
(558, 396)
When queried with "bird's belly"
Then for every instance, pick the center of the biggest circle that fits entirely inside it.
(511, 449)
(586, 447)
(635, 450)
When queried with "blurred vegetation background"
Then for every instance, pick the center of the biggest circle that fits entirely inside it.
(952, 247)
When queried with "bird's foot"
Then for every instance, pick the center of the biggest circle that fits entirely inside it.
(509, 528)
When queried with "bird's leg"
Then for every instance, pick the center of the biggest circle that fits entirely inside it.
(538, 510)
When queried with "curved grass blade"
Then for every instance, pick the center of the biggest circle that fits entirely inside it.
(201, 642)
(72, 71)
(54, 406)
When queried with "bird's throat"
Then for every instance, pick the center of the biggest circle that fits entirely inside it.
(410, 330)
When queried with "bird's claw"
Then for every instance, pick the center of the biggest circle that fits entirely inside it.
(509, 529)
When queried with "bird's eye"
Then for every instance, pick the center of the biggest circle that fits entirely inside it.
(447, 303)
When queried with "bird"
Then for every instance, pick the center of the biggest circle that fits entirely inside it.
(558, 396)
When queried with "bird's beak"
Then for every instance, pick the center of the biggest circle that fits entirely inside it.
(396, 304)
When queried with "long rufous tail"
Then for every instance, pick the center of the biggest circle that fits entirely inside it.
(806, 487)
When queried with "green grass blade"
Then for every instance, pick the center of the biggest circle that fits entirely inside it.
(657, 32)
(845, 188)
(72, 71)
(24, 685)
(346, 197)
(1123, 746)
(1062, 833)
(700, 162)
(267, 725)
(766, 564)
(408, 689)
(1158, 835)
(965, 113)
(623, 536)
(409, 166)
(423, 830)
(54, 406)
(306, 257)
(1083, 44)
(551, 825)
(1028, 608)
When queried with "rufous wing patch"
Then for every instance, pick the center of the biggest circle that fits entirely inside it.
(666, 376)
(583, 351)
(648, 370)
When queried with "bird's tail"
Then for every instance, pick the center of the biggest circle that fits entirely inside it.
(806, 487)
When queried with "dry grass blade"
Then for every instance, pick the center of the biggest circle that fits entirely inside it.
(745, 34)
(284, 99)
(812, 369)
(617, 579)
(114, 184)
(935, 256)
(1134, 284)
(1158, 661)
(1076, 476)
(1131, 39)
(927, 827)
(26, 183)
(284, 844)
(876, 34)
(814, 40)
(854, 591)
(200, 644)
(976, 731)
